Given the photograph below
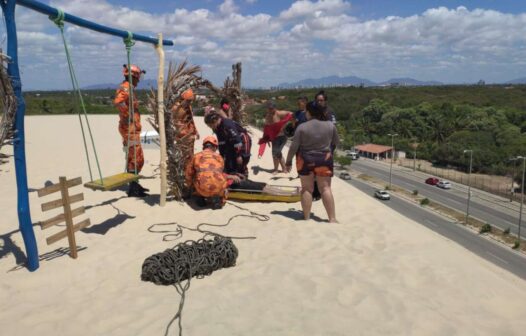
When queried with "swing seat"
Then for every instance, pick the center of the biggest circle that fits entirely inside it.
(286, 194)
(112, 182)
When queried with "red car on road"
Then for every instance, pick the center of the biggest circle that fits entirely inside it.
(432, 180)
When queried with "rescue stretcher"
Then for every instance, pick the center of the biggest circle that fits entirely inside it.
(286, 194)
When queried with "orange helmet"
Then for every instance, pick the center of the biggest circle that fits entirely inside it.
(135, 71)
(211, 140)
(188, 94)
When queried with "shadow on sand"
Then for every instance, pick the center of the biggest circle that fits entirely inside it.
(257, 169)
(110, 223)
(48, 256)
(297, 215)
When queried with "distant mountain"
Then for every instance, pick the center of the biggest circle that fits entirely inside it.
(409, 82)
(328, 81)
(355, 81)
(517, 81)
(143, 85)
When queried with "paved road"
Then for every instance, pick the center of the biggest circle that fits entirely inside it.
(456, 198)
(497, 254)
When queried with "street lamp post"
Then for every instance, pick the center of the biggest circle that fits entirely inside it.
(522, 195)
(415, 146)
(392, 157)
(469, 180)
(512, 188)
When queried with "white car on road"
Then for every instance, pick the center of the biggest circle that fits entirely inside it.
(444, 185)
(382, 194)
(345, 176)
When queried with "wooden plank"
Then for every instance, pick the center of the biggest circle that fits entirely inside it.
(69, 218)
(59, 202)
(160, 113)
(112, 182)
(63, 234)
(56, 187)
(61, 218)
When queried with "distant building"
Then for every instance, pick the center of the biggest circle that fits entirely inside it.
(373, 151)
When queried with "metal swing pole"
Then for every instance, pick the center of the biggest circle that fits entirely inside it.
(24, 215)
(8, 7)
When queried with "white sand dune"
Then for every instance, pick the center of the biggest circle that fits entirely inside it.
(376, 273)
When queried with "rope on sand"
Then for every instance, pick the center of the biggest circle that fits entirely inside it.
(189, 259)
(199, 258)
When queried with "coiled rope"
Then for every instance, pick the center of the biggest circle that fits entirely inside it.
(189, 259)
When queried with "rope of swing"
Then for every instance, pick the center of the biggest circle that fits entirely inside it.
(129, 43)
(59, 22)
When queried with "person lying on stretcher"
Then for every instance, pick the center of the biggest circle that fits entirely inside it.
(205, 176)
(242, 184)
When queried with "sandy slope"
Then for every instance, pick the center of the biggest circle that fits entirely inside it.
(377, 273)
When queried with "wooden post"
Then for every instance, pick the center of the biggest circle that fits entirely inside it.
(160, 111)
(69, 218)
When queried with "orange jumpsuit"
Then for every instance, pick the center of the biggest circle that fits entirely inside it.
(134, 128)
(205, 173)
(183, 120)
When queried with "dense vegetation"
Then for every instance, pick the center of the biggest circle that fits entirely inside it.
(443, 121)
(64, 102)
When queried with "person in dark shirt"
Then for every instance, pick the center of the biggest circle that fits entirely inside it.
(299, 117)
(234, 143)
(322, 99)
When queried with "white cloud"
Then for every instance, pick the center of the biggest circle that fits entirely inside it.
(309, 39)
(309, 8)
(228, 7)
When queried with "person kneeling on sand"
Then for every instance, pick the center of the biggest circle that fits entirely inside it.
(205, 175)
(210, 184)
(313, 142)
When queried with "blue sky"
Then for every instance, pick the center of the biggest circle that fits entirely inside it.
(286, 41)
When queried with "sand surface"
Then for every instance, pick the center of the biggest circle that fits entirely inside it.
(376, 273)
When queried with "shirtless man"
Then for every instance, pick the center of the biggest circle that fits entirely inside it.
(279, 139)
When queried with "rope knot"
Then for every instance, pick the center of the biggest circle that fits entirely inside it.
(129, 41)
(59, 18)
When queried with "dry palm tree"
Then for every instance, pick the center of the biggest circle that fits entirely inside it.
(180, 78)
(232, 91)
(8, 106)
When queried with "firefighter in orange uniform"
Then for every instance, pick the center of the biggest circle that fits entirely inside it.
(183, 120)
(205, 174)
(130, 130)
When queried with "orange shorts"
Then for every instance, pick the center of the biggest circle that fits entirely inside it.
(319, 164)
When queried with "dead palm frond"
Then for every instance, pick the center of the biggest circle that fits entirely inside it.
(232, 91)
(8, 108)
(180, 78)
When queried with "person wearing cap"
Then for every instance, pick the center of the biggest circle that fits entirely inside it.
(273, 131)
(183, 121)
(211, 184)
(130, 126)
(204, 174)
(234, 143)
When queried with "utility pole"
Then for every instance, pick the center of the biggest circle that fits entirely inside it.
(469, 181)
(392, 157)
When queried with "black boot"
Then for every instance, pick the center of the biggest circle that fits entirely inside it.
(143, 189)
(135, 190)
(215, 203)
